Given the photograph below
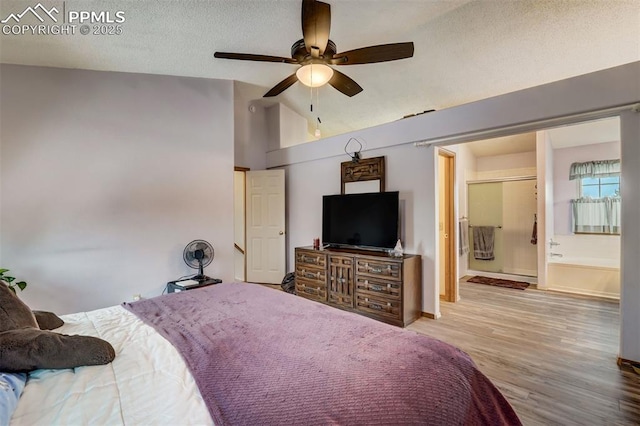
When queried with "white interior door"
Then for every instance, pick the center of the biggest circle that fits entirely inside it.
(265, 251)
(239, 217)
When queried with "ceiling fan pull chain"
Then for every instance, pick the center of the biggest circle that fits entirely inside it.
(317, 133)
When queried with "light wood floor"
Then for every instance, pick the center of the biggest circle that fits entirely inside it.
(552, 355)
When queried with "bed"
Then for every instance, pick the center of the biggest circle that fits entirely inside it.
(238, 353)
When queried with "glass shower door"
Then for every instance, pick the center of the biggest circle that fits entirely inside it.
(485, 209)
(510, 208)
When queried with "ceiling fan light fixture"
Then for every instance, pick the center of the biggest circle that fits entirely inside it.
(314, 75)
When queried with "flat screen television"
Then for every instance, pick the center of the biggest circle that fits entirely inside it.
(367, 220)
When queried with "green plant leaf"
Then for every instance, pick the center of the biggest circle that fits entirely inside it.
(2, 271)
(12, 289)
(9, 279)
(22, 285)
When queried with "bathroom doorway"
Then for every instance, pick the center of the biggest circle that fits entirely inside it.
(503, 226)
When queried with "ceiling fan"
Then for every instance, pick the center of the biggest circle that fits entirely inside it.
(315, 52)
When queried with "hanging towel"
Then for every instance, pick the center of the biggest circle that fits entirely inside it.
(463, 236)
(483, 238)
(534, 233)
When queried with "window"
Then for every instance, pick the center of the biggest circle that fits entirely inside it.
(600, 187)
(597, 209)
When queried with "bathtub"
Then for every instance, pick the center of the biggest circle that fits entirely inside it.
(584, 275)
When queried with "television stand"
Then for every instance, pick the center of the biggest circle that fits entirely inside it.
(366, 282)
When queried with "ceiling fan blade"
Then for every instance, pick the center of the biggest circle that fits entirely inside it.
(282, 86)
(316, 24)
(250, 57)
(372, 54)
(344, 84)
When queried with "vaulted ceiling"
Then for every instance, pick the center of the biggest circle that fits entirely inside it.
(464, 50)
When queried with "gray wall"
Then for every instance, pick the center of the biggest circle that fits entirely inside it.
(105, 177)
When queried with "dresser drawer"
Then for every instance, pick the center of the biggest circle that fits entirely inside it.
(379, 268)
(310, 273)
(377, 286)
(311, 258)
(311, 290)
(379, 306)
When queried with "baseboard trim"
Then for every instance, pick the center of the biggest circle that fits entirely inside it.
(626, 363)
(431, 316)
(582, 292)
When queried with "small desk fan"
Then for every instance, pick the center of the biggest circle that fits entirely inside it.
(198, 254)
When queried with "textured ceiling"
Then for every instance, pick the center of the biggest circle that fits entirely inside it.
(464, 50)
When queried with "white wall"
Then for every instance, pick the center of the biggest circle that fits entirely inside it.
(564, 190)
(629, 265)
(106, 177)
(544, 153)
(507, 165)
(286, 127)
(591, 247)
(465, 171)
(293, 127)
(308, 182)
(406, 172)
(250, 119)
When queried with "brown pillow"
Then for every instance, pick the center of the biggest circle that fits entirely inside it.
(30, 349)
(48, 320)
(24, 347)
(14, 314)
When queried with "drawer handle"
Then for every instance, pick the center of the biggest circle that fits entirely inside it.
(309, 290)
(386, 270)
(376, 287)
(315, 260)
(310, 275)
(375, 306)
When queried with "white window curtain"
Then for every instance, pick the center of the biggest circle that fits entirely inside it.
(596, 215)
(594, 169)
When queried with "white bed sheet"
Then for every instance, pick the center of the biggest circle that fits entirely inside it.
(147, 383)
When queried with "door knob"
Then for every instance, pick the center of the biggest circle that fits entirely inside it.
(281, 232)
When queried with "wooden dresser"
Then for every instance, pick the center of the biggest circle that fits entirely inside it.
(374, 284)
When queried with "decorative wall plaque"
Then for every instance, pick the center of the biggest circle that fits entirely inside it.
(363, 170)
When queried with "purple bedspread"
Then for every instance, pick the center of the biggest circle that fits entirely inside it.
(265, 357)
